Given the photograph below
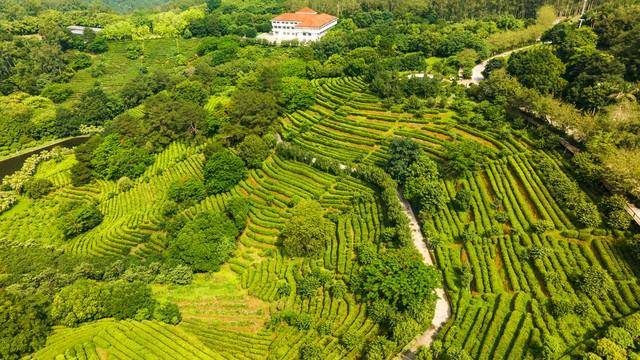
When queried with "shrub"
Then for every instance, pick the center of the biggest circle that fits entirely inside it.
(186, 192)
(238, 210)
(619, 336)
(25, 323)
(595, 281)
(462, 200)
(307, 231)
(76, 218)
(616, 216)
(610, 350)
(541, 226)
(125, 184)
(223, 171)
(57, 92)
(310, 352)
(168, 313)
(37, 188)
(205, 242)
(379, 348)
(349, 340)
(253, 150)
(126, 299)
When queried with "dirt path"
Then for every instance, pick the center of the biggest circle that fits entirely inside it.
(443, 309)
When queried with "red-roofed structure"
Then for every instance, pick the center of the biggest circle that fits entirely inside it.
(303, 25)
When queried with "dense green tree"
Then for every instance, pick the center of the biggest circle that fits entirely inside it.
(205, 242)
(539, 69)
(24, 323)
(253, 150)
(37, 188)
(398, 277)
(238, 211)
(615, 212)
(187, 192)
(82, 301)
(595, 281)
(76, 218)
(254, 109)
(402, 153)
(222, 171)
(307, 230)
(464, 156)
(296, 94)
(96, 106)
(128, 300)
(168, 313)
(192, 91)
(117, 157)
(168, 120)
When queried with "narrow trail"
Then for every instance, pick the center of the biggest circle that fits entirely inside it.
(443, 308)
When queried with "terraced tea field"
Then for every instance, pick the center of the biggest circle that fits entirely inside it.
(499, 274)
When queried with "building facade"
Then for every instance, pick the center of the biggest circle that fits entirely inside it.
(303, 25)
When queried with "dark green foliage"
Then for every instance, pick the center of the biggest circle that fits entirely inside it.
(222, 171)
(310, 282)
(205, 242)
(427, 194)
(464, 156)
(253, 150)
(192, 91)
(117, 157)
(402, 153)
(567, 193)
(379, 348)
(615, 211)
(168, 120)
(237, 210)
(96, 106)
(595, 282)
(254, 109)
(462, 200)
(127, 300)
(306, 231)
(37, 188)
(399, 278)
(538, 69)
(76, 218)
(57, 92)
(310, 352)
(167, 313)
(296, 94)
(24, 323)
(187, 192)
(84, 300)
(541, 226)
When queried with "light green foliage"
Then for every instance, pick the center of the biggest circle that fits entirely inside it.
(307, 231)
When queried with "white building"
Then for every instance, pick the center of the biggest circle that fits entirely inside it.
(303, 25)
(79, 30)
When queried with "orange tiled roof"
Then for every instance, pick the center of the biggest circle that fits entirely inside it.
(306, 17)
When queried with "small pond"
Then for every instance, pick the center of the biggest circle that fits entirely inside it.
(12, 164)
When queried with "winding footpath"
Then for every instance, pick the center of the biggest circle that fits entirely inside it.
(442, 309)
